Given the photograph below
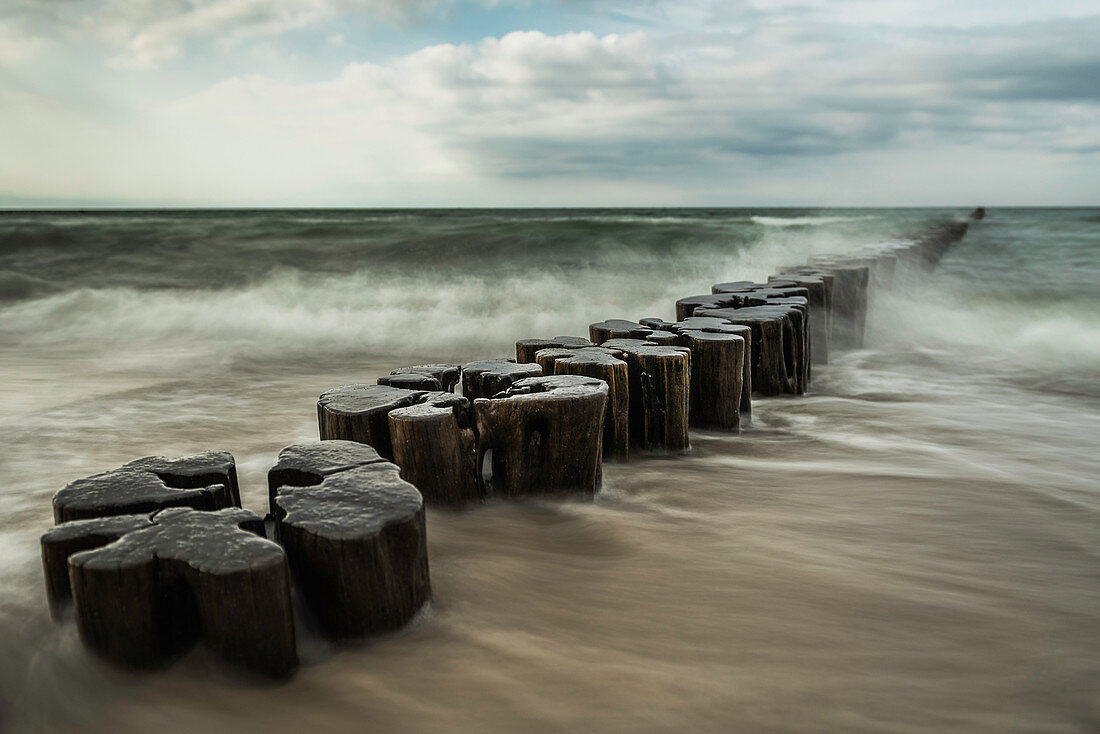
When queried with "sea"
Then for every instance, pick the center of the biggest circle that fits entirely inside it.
(912, 546)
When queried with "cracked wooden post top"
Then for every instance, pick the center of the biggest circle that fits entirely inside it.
(778, 345)
(487, 378)
(306, 464)
(72, 537)
(819, 297)
(711, 324)
(526, 349)
(606, 365)
(206, 481)
(849, 299)
(435, 377)
(434, 444)
(660, 385)
(601, 331)
(149, 595)
(717, 372)
(359, 413)
(357, 544)
(542, 435)
(687, 306)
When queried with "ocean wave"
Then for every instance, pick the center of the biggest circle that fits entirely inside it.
(17, 286)
(804, 221)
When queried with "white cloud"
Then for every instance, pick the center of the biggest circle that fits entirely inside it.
(783, 106)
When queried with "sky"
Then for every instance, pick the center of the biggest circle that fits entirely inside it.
(135, 103)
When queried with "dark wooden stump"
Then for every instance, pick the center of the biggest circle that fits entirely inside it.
(775, 346)
(72, 537)
(660, 384)
(686, 307)
(152, 593)
(820, 299)
(134, 490)
(526, 349)
(307, 464)
(357, 544)
(434, 444)
(543, 435)
(663, 338)
(717, 367)
(616, 329)
(412, 381)
(431, 377)
(195, 472)
(849, 300)
(486, 379)
(722, 326)
(602, 364)
(360, 413)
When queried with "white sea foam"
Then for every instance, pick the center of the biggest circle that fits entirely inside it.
(805, 221)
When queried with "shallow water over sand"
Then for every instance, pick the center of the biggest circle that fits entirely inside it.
(911, 548)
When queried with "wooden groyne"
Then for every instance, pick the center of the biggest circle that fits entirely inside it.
(158, 555)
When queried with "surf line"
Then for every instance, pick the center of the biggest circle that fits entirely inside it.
(157, 555)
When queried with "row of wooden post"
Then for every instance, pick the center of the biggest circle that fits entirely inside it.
(158, 554)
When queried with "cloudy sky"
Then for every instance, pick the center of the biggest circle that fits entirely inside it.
(562, 102)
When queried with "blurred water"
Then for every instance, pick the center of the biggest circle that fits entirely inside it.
(912, 547)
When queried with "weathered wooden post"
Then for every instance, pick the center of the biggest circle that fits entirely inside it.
(433, 377)
(849, 300)
(686, 307)
(820, 300)
(357, 544)
(660, 383)
(616, 329)
(361, 413)
(775, 345)
(526, 349)
(542, 435)
(205, 481)
(307, 464)
(435, 446)
(605, 365)
(149, 595)
(722, 326)
(717, 366)
(487, 378)
(72, 537)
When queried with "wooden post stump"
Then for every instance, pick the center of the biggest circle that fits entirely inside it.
(526, 349)
(616, 329)
(660, 379)
(820, 301)
(775, 346)
(360, 413)
(486, 379)
(543, 435)
(849, 300)
(412, 381)
(435, 446)
(434, 377)
(307, 464)
(717, 366)
(602, 364)
(686, 307)
(195, 472)
(134, 489)
(75, 536)
(148, 596)
(357, 544)
(722, 326)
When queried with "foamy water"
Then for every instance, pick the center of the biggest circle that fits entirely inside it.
(912, 547)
